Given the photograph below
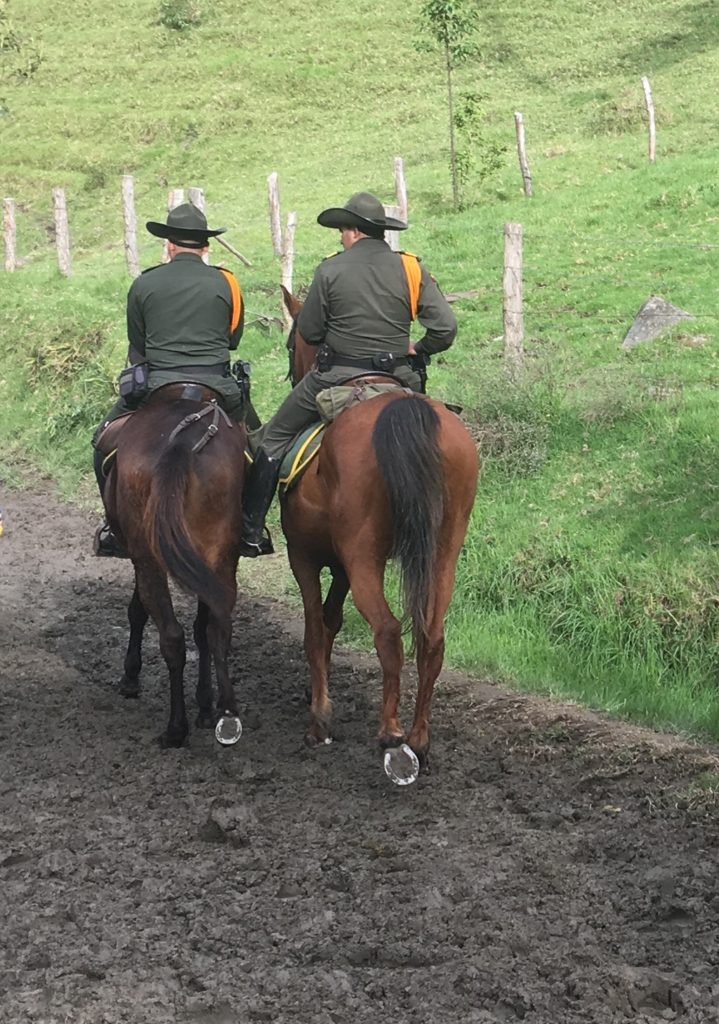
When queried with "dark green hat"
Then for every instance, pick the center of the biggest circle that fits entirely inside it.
(362, 210)
(186, 225)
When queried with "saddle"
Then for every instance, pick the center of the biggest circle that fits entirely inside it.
(106, 440)
(331, 402)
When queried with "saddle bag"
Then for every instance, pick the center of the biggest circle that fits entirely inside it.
(133, 384)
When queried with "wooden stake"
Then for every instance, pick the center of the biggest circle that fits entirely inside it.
(522, 152)
(8, 206)
(512, 292)
(652, 124)
(287, 260)
(274, 201)
(62, 235)
(132, 257)
(196, 196)
(400, 188)
(175, 197)
(392, 237)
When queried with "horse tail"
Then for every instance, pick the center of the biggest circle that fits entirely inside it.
(406, 445)
(167, 531)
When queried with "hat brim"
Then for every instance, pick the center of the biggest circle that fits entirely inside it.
(191, 234)
(339, 217)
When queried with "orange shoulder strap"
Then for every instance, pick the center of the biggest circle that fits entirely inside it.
(236, 297)
(413, 274)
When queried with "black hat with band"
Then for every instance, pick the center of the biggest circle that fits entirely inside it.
(362, 211)
(186, 225)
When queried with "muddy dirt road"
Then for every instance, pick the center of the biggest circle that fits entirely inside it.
(553, 868)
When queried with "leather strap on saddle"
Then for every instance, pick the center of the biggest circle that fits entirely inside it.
(195, 417)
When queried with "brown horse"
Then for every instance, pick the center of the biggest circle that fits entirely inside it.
(395, 478)
(174, 499)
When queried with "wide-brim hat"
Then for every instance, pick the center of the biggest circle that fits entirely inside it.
(186, 223)
(361, 210)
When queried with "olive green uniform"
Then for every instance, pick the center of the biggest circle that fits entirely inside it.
(359, 306)
(179, 321)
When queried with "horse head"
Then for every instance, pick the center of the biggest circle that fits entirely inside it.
(301, 354)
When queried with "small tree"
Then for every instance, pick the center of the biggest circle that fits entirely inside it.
(451, 25)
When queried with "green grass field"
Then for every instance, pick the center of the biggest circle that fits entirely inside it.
(590, 568)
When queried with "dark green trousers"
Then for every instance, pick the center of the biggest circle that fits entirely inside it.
(299, 409)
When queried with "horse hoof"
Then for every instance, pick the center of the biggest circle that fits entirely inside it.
(317, 741)
(401, 765)
(129, 688)
(206, 720)
(169, 741)
(390, 741)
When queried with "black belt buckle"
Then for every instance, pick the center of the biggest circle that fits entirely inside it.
(385, 362)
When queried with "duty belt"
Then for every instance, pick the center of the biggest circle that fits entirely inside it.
(213, 370)
(369, 362)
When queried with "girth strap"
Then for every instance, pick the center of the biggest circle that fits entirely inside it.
(212, 428)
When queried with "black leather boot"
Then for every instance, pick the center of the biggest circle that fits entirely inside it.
(259, 491)
(105, 544)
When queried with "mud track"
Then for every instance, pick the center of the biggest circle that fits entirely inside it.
(554, 867)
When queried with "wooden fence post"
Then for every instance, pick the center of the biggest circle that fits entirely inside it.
(8, 219)
(512, 305)
(128, 212)
(522, 153)
(196, 196)
(274, 201)
(392, 237)
(287, 261)
(62, 235)
(652, 124)
(400, 188)
(175, 197)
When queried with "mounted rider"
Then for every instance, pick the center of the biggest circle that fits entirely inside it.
(359, 310)
(183, 319)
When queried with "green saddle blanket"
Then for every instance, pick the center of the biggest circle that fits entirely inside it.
(330, 403)
(298, 458)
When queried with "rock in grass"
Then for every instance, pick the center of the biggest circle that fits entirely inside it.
(654, 318)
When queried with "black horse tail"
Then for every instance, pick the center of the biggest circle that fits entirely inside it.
(166, 527)
(405, 441)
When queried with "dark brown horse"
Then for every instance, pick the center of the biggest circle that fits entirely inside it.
(174, 499)
(395, 478)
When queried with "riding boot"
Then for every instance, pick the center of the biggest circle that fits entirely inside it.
(105, 544)
(257, 499)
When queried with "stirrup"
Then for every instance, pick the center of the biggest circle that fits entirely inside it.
(253, 549)
(106, 545)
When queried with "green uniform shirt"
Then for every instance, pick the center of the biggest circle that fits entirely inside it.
(358, 304)
(179, 314)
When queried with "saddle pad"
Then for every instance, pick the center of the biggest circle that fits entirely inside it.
(298, 458)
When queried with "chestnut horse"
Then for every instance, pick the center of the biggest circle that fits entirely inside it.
(173, 498)
(395, 477)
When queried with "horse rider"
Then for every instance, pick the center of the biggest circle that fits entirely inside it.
(183, 318)
(359, 309)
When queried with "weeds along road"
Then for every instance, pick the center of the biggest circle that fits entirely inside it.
(554, 867)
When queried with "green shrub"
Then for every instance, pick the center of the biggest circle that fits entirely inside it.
(180, 15)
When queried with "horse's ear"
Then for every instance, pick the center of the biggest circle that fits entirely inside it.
(292, 304)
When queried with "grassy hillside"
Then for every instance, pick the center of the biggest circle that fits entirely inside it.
(591, 565)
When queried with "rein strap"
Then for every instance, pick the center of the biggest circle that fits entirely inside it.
(212, 428)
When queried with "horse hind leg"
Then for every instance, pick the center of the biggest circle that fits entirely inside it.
(430, 658)
(368, 595)
(155, 596)
(203, 694)
(137, 616)
(226, 719)
(319, 625)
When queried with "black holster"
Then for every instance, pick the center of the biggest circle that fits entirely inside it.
(419, 363)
